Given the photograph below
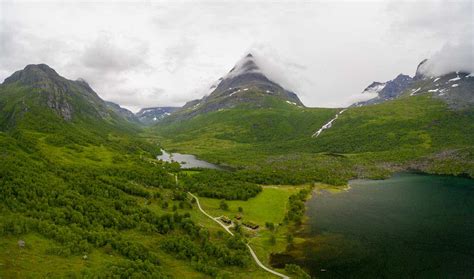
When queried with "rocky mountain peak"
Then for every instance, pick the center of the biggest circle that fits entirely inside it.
(33, 75)
(245, 83)
(374, 88)
(246, 65)
(402, 78)
(383, 91)
(419, 70)
(247, 76)
(58, 93)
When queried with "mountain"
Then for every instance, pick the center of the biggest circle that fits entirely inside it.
(58, 93)
(38, 97)
(456, 88)
(421, 123)
(154, 114)
(123, 112)
(245, 84)
(73, 175)
(384, 91)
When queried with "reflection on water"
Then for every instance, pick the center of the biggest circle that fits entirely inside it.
(408, 226)
(186, 161)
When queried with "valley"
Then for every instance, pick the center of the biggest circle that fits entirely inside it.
(88, 190)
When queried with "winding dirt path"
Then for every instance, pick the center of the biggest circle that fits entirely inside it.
(254, 256)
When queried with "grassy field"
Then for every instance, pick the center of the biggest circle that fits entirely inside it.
(279, 196)
(34, 261)
(268, 206)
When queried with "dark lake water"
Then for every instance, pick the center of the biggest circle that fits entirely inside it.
(186, 161)
(408, 226)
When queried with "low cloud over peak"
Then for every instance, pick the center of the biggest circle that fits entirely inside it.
(450, 58)
(325, 51)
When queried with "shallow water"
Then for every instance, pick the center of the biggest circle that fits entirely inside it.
(186, 161)
(408, 226)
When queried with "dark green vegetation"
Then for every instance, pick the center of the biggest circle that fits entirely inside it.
(87, 196)
(84, 209)
(218, 184)
(273, 145)
(296, 208)
(408, 226)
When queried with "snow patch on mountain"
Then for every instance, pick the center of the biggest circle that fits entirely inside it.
(454, 79)
(413, 92)
(327, 125)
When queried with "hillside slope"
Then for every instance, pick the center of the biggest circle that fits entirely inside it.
(81, 195)
(418, 132)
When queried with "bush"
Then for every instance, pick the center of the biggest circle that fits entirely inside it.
(223, 205)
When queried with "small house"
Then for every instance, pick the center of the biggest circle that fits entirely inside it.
(226, 220)
(250, 225)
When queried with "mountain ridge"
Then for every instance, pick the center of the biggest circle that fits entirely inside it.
(151, 115)
(458, 95)
(38, 90)
(245, 83)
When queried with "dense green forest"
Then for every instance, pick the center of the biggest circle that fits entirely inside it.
(92, 186)
(85, 206)
(220, 184)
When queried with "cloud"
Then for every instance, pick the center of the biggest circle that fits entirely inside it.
(325, 51)
(178, 54)
(446, 23)
(108, 55)
(450, 58)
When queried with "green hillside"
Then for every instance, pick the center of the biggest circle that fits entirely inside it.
(419, 133)
(87, 198)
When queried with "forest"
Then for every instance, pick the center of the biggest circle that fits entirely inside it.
(84, 206)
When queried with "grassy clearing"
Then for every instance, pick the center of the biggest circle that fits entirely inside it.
(268, 206)
(34, 261)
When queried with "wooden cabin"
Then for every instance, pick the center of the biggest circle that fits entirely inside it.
(226, 220)
(250, 225)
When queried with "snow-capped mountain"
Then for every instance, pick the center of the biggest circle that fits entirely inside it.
(383, 91)
(154, 114)
(456, 89)
(245, 83)
(246, 75)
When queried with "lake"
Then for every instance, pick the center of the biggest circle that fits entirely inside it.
(408, 226)
(186, 161)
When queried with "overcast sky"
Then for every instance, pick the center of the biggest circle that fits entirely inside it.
(161, 53)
